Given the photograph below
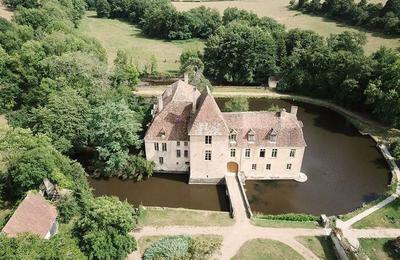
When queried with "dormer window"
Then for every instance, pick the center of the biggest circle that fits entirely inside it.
(232, 136)
(251, 136)
(272, 135)
(162, 133)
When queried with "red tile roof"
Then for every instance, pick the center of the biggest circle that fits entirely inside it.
(287, 128)
(208, 119)
(34, 215)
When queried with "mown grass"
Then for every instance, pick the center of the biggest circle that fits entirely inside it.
(386, 217)
(377, 248)
(146, 242)
(116, 34)
(283, 223)
(158, 217)
(320, 246)
(266, 249)
(278, 10)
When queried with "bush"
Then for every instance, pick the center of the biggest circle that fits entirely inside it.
(237, 104)
(290, 217)
(67, 208)
(138, 168)
(182, 247)
(174, 247)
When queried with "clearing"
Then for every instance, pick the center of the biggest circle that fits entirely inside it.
(387, 217)
(159, 217)
(266, 249)
(377, 248)
(278, 9)
(116, 34)
(283, 223)
(5, 12)
(320, 246)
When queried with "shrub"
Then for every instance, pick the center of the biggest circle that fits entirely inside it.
(67, 208)
(290, 217)
(174, 247)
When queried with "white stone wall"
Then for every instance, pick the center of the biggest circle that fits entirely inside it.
(171, 161)
(278, 164)
(208, 171)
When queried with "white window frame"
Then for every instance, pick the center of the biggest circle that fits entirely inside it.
(207, 155)
(292, 153)
(233, 153)
(247, 153)
(178, 153)
(254, 166)
(268, 166)
(289, 166)
(274, 153)
(164, 147)
(208, 139)
(156, 147)
(161, 160)
(262, 150)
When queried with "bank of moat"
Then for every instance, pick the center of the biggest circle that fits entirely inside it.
(189, 133)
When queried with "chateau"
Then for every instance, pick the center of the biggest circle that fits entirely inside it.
(189, 133)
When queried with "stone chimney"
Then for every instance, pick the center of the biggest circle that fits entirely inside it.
(293, 110)
(194, 105)
(186, 78)
(160, 103)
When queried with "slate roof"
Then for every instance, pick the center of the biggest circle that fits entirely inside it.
(287, 128)
(34, 215)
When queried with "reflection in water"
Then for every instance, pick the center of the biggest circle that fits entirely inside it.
(344, 170)
(167, 190)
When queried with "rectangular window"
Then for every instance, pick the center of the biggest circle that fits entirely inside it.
(161, 160)
(186, 153)
(268, 166)
(164, 147)
(186, 143)
(292, 152)
(156, 147)
(262, 153)
(247, 153)
(207, 155)
(254, 166)
(288, 166)
(208, 139)
(274, 153)
(233, 152)
(232, 138)
(178, 153)
(178, 143)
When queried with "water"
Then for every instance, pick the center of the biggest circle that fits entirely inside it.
(344, 170)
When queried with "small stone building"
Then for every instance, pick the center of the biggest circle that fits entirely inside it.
(189, 133)
(34, 215)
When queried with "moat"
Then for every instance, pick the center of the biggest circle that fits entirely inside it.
(344, 170)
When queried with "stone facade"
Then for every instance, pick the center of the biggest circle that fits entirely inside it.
(189, 133)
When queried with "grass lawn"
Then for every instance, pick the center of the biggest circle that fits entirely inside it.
(266, 249)
(145, 242)
(283, 223)
(116, 34)
(278, 10)
(387, 217)
(377, 249)
(183, 217)
(320, 246)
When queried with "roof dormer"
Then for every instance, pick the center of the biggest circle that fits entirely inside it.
(272, 134)
(251, 136)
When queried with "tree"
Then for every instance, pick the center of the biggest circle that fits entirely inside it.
(104, 229)
(192, 64)
(236, 104)
(240, 53)
(64, 119)
(102, 8)
(125, 73)
(114, 128)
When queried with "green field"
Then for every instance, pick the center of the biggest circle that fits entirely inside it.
(387, 217)
(377, 248)
(278, 10)
(266, 249)
(116, 34)
(320, 246)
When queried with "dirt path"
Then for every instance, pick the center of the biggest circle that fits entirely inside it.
(5, 12)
